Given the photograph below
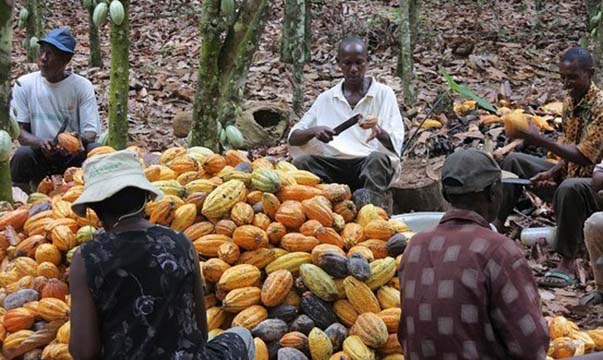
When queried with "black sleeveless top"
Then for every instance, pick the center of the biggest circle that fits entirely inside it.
(142, 284)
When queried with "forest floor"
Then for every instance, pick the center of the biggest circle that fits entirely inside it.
(513, 56)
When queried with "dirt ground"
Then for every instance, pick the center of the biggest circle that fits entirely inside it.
(512, 54)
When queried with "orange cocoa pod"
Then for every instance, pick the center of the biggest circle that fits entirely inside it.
(70, 143)
(299, 242)
(250, 237)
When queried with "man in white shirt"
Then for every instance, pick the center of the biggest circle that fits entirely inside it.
(364, 159)
(43, 103)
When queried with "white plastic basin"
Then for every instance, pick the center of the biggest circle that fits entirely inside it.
(420, 221)
(423, 220)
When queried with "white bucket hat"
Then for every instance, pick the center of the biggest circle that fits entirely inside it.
(105, 175)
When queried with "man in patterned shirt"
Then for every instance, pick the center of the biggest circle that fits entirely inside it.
(567, 184)
(466, 291)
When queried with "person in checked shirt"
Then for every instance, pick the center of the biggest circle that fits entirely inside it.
(467, 292)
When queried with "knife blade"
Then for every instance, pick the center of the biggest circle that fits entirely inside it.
(524, 182)
(347, 124)
(62, 129)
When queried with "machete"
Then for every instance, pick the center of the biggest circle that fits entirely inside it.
(347, 124)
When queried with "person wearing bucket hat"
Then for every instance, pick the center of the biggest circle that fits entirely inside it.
(136, 289)
(47, 102)
(467, 291)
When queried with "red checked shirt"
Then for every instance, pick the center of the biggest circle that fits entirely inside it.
(468, 293)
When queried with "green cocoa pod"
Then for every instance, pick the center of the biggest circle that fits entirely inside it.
(85, 234)
(100, 14)
(23, 14)
(13, 128)
(5, 145)
(70, 254)
(234, 136)
(222, 137)
(33, 43)
(228, 8)
(117, 12)
(103, 139)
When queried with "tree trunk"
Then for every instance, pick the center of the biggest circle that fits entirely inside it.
(308, 30)
(539, 7)
(598, 52)
(406, 63)
(592, 8)
(6, 29)
(293, 48)
(223, 67)
(119, 82)
(414, 21)
(205, 112)
(35, 27)
(95, 59)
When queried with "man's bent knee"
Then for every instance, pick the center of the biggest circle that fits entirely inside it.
(23, 165)
(378, 156)
(510, 161)
(24, 153)
(593, 228)
(570, 187)
(303, 162)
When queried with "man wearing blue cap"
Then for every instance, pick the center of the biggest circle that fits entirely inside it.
(47, 102)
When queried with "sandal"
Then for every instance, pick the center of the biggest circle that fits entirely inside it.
(594, 298)
(556, 279)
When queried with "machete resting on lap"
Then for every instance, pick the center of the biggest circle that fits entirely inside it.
(46, 103)
(567, 183)
(363, 157)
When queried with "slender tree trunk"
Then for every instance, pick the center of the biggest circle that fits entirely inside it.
(205, 112)
(308, 32)
(293, 48)
(119, 81)
(223, 67)
(234, 79)
(414, 21)
(406, 52)
(6, 11)
(539, 7)
(35, 27)
(592, 8)
(95, 59)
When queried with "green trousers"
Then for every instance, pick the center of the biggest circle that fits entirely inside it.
(573, 200)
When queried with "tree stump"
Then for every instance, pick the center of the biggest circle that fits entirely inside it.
(263, 124)
(419, 187)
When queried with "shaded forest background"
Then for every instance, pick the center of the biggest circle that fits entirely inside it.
(498, 48)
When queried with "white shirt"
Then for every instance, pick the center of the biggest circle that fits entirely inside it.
(331, 108)
(45, 105)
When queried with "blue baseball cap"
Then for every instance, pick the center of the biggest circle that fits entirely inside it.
(61, 39)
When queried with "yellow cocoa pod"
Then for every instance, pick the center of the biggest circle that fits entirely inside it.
(360, 296)
(250, 317)
(356, 349)
(319, 344)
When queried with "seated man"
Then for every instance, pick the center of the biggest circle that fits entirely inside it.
(593, 238)
(43, 103)
(360, 158)
(567, 184)
(467, 292)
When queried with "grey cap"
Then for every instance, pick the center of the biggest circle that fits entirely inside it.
(106, 175)
(469, 170)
